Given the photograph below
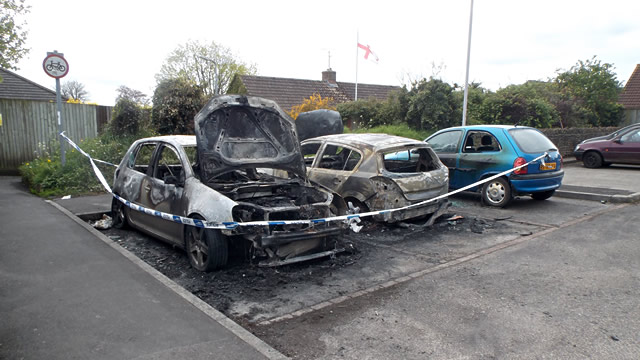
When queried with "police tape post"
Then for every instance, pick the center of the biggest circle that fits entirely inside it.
(233, 224)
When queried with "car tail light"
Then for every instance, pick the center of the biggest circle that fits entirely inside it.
(520, 161)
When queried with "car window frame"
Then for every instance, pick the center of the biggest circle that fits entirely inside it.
(471, 132)
(457, 146)
(317, 161)
(136, 152)
(156, 157)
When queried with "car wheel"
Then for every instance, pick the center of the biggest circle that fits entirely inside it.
(592, 160)
(118, 214)
(207, 249)
(496, 192)
(544, 195)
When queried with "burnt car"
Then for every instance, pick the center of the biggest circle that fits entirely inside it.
(622, 146)
(379, 171)
(222, 175)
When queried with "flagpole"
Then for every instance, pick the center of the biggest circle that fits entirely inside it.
(357, 43)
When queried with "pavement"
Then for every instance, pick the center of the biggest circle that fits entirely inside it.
(67, 291)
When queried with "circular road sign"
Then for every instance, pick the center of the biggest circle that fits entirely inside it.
(55, 66)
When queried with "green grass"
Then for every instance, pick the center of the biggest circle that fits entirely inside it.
(46, 177)
(399, 130)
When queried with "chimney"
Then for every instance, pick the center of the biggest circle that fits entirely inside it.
(329, 76)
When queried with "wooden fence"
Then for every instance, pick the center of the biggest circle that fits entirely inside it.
(30, 127)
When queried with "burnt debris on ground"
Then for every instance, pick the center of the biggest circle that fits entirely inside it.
(248, 293)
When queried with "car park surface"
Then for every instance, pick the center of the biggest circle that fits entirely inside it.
(378, 172)
(473, 153)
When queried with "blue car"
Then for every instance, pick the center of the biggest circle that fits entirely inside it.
(473, 153)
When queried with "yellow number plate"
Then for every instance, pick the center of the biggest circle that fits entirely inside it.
(548, 166)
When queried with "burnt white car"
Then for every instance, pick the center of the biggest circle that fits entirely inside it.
(222, 175)
(378, 172)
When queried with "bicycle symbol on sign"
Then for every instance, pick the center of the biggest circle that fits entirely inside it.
(56, 66)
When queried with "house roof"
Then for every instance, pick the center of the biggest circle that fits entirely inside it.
(290, 92)
(630, 96)
(14, 86)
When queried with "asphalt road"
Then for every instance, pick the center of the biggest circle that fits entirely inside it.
(569, 290)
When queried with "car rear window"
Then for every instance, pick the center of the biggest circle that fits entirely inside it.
(531, 140)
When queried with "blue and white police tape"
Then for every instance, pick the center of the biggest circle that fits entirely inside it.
(234, 224)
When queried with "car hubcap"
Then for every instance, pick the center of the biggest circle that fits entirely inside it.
(198, 250)
(495, 192)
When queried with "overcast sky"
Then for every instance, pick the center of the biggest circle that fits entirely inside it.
(113, 43)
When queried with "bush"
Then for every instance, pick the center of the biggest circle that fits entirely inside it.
(127, 117)
(175, 104)
(398, 130)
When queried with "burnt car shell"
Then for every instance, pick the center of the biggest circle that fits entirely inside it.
(237, 136)
(379, 172)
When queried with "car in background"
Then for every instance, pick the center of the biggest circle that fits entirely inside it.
(473, 153)
(222, 175)
(379, 172)
(622, 146)
(612, 135)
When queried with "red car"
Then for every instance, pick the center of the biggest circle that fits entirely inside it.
(623, 147)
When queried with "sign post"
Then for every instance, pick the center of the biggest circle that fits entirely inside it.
(57, 67)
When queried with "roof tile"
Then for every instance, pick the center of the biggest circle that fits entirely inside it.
(630, 96)
(14, 86)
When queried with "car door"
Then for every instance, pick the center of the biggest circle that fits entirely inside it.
(446, 145)
(333, 165)
(627, 149)
(162, 190)
(480, 155)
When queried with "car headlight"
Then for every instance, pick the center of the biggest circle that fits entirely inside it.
(577, 148)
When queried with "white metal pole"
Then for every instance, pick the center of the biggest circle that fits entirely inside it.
(466, 78)
(357, 48)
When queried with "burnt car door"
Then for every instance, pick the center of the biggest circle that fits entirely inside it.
(480, 155)
(161, 190)
(333, 165)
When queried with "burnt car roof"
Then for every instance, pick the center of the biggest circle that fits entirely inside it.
(177, 140)
(237, 132)
(372, 141)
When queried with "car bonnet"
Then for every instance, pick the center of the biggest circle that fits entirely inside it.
(238, 132)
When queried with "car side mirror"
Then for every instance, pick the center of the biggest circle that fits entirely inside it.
(617, 141)
(173, 180)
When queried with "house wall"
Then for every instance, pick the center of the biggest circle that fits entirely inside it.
(631, 116)
(567, 139)
(29, 127)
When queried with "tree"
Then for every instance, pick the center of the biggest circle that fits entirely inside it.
(12, 37)
(525, 104)
(210, 66)
(175, 104)
(126, 117)
(136, 96)
(74, 90)
(431, 105)
(314, 102)
(592, 89)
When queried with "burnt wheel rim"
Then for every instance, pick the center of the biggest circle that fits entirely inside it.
(197, 247)
(120, 213)
(496, 192)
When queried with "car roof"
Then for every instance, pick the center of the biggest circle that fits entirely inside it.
(369, 140)
(480, 127)
(177, 140)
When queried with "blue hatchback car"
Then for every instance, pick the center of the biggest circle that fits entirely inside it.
(473, 153)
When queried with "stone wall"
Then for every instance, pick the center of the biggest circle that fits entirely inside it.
(567, 139)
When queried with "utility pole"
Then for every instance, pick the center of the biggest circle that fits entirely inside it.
(466, 78)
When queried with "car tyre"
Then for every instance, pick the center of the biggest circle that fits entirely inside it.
(118, 214)
(544, 195)
(207, 249)
(592, 160)
(496, 192)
